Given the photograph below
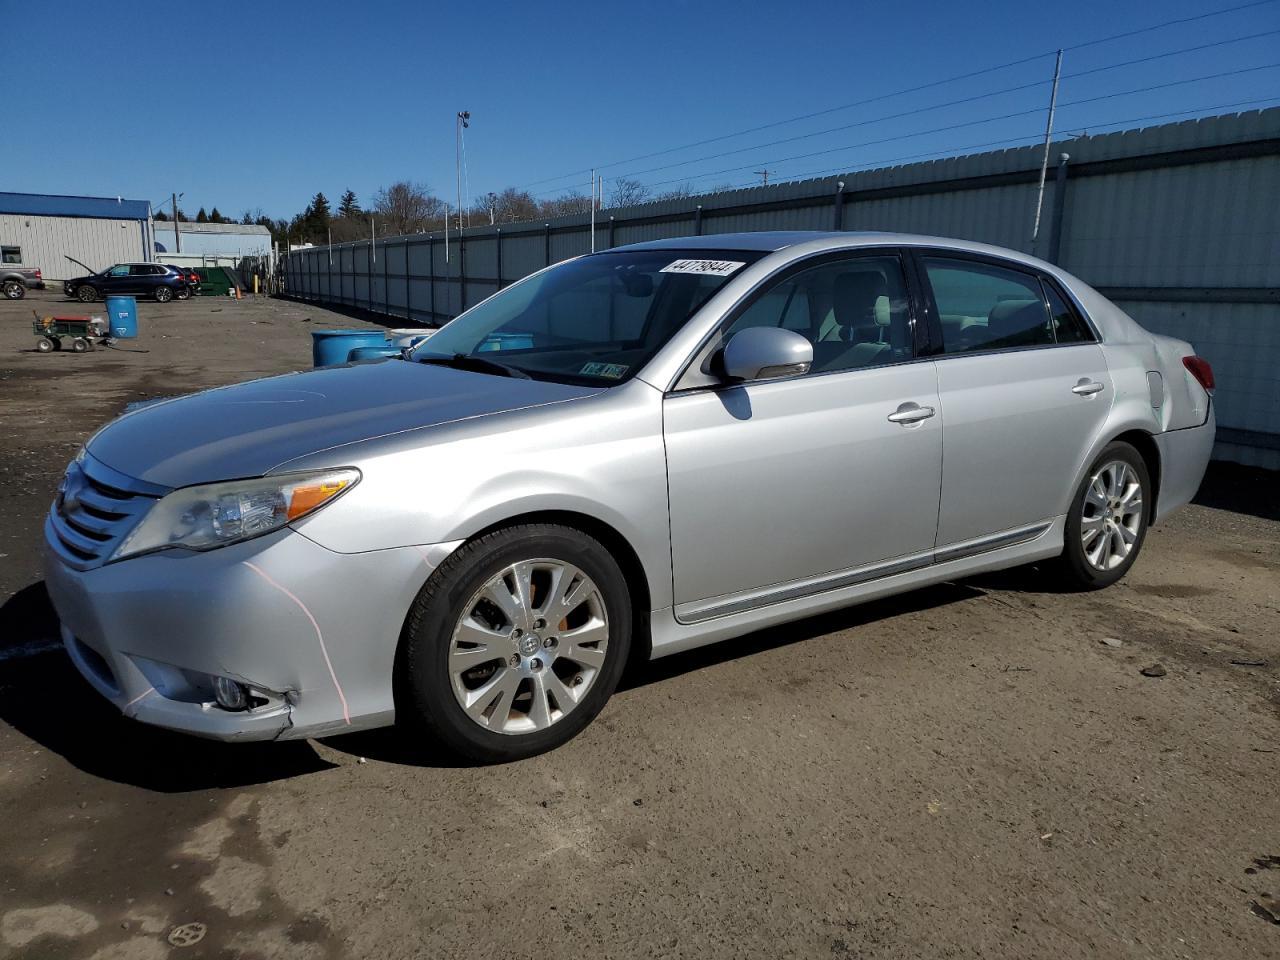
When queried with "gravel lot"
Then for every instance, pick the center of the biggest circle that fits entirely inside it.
(968, 771)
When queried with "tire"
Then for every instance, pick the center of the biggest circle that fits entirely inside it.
(79, 345)
(44, 345)
(163, 294)
(184, 294)
(516, 694)
(1107, 523)
(86, 293)
(14, 289)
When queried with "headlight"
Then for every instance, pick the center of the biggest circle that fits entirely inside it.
(216, 514)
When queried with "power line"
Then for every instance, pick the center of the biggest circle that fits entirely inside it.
(1032, 137)
(897, 93)
(943, 129)
(982, 120)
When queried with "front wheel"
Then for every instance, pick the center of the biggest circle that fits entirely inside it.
(1107, 522)
(44, 345)
(516, 642)
(14, 290)
(86, 293)
(184, 293)
(163, 294)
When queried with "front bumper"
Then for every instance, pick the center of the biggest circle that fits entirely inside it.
(311, 632)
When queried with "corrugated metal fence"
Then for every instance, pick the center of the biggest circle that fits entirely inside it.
(1179, 224)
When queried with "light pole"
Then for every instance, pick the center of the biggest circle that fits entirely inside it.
(177, 239)
(464, 118)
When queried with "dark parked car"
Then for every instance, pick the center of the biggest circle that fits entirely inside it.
(16, 281)
(140, 279)
(190, 275)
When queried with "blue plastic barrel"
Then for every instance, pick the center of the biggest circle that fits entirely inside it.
(123, 315)
(373, 353)
(332, 347)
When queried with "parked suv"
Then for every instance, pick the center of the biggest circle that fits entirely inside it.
(16, 281)
(140, 279)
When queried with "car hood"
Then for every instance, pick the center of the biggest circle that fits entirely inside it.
(247, 429)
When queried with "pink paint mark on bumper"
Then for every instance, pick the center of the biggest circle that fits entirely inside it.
(346, 713)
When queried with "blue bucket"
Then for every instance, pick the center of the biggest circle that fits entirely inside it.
(373, 353)
(332, 347)
(123, 315)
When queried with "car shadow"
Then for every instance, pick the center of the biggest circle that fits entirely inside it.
(396, 745)
(1240, 489)
(44, 698)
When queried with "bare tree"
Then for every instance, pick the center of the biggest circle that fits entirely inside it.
(627, 192)
(406, 207)
(508, 206)
(564, 205)
(676, 193)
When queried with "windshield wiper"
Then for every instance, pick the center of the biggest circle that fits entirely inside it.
(465, 361)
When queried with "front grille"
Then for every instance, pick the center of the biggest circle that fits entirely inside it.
(95, 509)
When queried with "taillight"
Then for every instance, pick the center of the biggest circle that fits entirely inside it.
(1200, 369)
(39, 275)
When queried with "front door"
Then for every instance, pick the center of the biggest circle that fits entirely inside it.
(1025, 390)
(780, 482)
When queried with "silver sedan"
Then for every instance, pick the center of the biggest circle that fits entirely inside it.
(622, 456)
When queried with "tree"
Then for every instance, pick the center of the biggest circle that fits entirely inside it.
(565, 204)
(676, 193)
(216, 217)
(506, 207)
(347, 206)
(160, 215)
(406, 207)
(201, 216)
(627, 192)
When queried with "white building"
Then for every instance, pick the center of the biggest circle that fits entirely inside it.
(211, 244)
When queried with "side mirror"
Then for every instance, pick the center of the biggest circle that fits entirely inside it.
(766, 353)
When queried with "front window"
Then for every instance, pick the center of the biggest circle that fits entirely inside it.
(595, 320)
(119, 270)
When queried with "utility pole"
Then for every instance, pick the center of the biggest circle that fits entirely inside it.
(764, 174)
(177, 237)
(1048, 136)
(593, 211)
(464, 117)
(373, 242)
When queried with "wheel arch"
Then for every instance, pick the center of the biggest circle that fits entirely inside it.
(1145, 444)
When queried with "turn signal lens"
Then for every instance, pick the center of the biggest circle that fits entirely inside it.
(304, 499)
(1200, 369)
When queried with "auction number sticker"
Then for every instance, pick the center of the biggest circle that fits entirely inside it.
(614, 371)
(705, 268)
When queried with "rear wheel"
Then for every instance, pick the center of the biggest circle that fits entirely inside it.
(163, 294)
(14, 289)
(1107, 523)
(516, 642)
(86, 293)
(184, 293)
(79, 345)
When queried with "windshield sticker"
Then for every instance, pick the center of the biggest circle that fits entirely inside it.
(613, 371)
(706, 268)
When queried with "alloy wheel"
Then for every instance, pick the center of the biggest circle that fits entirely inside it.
(528, 646)
(1112, 515)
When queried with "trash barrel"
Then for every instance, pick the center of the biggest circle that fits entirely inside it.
(373, 353)
(331, 347)
(122, 312)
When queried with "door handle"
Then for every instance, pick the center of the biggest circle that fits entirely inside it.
(909, 413)
(1087, 387)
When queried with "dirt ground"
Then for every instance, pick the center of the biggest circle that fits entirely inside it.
(967, 771)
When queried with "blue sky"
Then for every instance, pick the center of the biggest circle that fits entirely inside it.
(261, 105)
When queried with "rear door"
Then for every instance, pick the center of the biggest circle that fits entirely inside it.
(1024, 391)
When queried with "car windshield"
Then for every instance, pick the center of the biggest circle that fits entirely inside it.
(594, 320)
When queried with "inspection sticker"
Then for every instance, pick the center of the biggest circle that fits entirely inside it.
(706, 268)
(614, 371)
